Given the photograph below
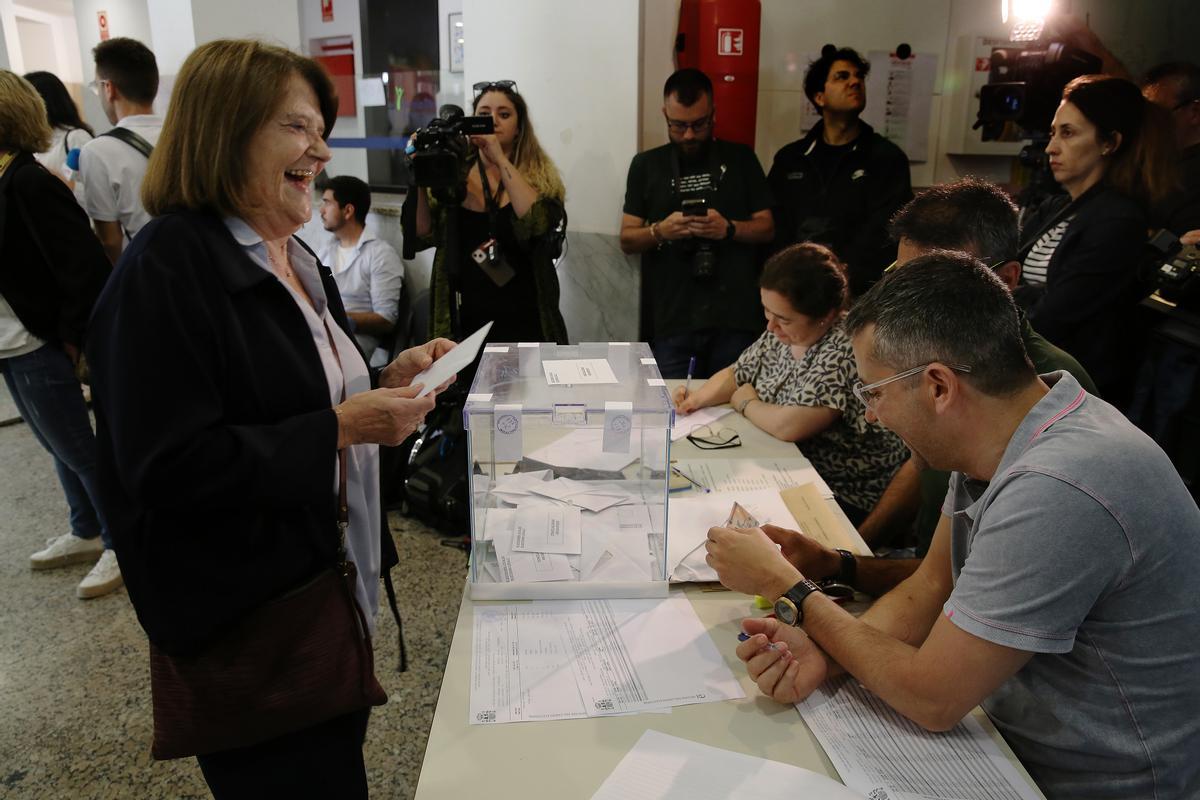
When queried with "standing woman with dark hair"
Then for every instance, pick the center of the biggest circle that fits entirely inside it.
(68, 131)
(514, 199)
(1111, 150)
(797, 381)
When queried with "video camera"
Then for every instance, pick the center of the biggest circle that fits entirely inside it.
(1025, 86)
(436, 152)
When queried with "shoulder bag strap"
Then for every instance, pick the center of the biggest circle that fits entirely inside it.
(132, 139)
(344, 516)
(343, 504)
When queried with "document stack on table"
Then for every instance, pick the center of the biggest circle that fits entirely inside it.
(572, 659)
(883, 754)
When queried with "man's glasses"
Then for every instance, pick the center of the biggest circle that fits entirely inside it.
(483, 87)
(95, 85)
(706, 438)
(869, 393)
(699, 126)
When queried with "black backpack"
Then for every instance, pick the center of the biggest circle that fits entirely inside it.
(428, 475)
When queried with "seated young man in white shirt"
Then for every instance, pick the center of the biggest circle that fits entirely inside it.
(368, 271)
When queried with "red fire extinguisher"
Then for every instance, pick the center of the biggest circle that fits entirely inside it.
(721, 38)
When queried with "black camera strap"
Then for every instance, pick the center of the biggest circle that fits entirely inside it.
(490, 201)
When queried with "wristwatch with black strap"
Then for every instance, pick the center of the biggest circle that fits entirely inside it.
(730, 230)
(848, 572)
(789, 609)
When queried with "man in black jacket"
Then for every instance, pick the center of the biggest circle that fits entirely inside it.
(841, 183)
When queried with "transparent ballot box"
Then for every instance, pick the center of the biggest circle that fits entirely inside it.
(569, 448)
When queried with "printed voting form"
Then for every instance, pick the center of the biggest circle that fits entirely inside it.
(880, 753)
(748, 474)
(662, 767)
(588, 658)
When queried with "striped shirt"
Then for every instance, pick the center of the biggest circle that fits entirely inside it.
(1038, 259)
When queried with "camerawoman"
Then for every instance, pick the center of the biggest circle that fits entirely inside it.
(491, 201)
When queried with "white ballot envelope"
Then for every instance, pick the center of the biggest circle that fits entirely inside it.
(450, 364)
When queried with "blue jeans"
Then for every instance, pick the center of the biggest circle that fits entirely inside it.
(49, 399)
(714, 349)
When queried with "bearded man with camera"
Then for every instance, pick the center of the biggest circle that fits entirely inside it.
(695, 209)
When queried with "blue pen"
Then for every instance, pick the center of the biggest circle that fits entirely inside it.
(745, 637)
(687, 384)
(690, 480)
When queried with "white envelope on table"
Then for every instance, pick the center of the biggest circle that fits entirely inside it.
(689, 518)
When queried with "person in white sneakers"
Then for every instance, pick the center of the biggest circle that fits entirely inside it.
(51, 272)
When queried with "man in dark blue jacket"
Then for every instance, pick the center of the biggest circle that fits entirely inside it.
(841, 183)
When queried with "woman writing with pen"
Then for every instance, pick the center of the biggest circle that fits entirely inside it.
(796, 381)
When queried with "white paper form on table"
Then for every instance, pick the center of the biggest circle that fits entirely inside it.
(640, 655)
(520, 667)
(451, 363)
(690, 517)
(747, 474)
(646, 655)
(883, 754)
(662, 767)
(685, 424)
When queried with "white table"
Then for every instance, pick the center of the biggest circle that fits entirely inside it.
(571, 758)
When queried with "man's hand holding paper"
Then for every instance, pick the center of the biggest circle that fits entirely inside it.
(747, 560)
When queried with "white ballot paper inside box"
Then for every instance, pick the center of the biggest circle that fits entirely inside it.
(542, 529)
(568, 659)
(451, 363)
(881, 753)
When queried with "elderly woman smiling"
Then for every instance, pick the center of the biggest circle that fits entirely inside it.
(232, 405)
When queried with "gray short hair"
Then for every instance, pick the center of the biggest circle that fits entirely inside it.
(947, 307)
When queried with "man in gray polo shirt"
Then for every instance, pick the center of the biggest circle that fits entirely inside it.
(1060, 591)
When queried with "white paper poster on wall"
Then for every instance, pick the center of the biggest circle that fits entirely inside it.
(899, 98)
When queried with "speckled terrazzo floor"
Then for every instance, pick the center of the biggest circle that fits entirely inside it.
(74, 686)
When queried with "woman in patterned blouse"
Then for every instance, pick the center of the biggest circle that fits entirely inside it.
(796, 382)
